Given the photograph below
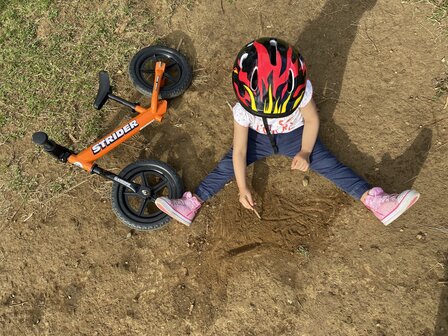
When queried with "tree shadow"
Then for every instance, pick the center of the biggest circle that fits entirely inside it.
(179, 40)
(441, 328)
(175, 146)
(326, 44)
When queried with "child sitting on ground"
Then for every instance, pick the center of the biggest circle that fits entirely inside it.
(276, 114)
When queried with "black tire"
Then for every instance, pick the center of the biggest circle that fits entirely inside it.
(178, 73)
(153, 173)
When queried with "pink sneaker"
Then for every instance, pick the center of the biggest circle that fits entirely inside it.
(388, 207)
(182, 209)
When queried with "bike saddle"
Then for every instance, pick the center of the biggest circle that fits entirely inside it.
(104, 90)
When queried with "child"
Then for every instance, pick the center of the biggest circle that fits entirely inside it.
(276, 114)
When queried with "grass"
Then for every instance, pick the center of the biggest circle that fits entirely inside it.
(51, 53)
(441, 86)
(303, 251)
(50, 56)
(174, 4)
(440, 13)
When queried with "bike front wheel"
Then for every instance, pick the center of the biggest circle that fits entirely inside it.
(137, 211)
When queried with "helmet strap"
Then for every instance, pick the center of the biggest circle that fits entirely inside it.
(271, 137)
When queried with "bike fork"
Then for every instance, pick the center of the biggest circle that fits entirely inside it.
(136, 188)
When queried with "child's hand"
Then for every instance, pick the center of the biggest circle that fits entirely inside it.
(301, 161)
(246, 199)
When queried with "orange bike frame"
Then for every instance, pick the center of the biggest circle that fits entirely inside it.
(86, 158)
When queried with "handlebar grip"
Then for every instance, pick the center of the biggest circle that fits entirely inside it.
(59, 152)
(41, 139)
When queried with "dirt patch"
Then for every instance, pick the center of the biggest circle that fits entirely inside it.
(317, 263)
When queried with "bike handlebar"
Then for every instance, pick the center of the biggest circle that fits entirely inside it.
(59, 152)
(41, 139)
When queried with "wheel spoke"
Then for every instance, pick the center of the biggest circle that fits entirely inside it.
(159, 186)
(170, 66)
(148, 71)
(128, 194)
(149, 60)
(168, 76)
(142, 175)
(142, 207)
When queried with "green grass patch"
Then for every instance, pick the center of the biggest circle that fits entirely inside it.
(50, 56)
(440, 13)
(441, 85)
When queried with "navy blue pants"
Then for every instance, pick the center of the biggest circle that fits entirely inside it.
(289, 144)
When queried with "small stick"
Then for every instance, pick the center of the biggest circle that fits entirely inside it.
(437, 228)
(191, 307)
(368, 36)
(256, 212)
(31, 215)
(442, 145)
(434, 122)
(129, 145)
(180, 43)
(68, 190)
(222, 8)
(15, 213)
(18, 304)
(443, 282)
(72, 138)
(230, 106)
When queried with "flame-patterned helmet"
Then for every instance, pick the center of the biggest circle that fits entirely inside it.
(269, 78)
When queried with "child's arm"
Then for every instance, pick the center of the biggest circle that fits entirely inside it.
(310, 130)
(240, 134)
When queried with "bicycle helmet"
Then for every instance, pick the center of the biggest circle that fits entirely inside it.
(269, 78)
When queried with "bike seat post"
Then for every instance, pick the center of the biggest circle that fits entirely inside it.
(122, 101)
(159, 70)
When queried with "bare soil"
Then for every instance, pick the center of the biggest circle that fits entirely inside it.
(317, 263)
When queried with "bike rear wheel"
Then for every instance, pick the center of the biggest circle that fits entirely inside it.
(177, 76)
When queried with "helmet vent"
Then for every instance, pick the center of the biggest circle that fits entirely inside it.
(290, 81)
(243, 57)
(273, 52)
(254, 80)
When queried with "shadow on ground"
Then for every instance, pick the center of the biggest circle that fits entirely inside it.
(174, 144)
(339, 21)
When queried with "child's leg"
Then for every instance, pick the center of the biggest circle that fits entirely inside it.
(324, 163)
(184, 209)
(258, 147)
(217, 178)
(386, 207)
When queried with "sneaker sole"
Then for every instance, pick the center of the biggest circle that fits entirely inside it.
(408, 200)
(166, 208)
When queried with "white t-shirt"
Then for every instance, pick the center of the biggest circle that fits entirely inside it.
(276, 125)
